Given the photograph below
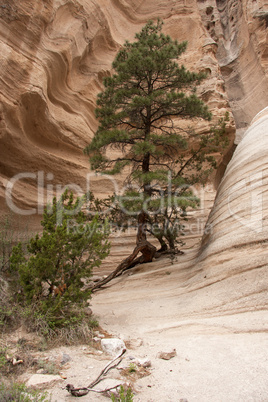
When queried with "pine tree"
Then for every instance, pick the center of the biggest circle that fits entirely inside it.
(140, 113)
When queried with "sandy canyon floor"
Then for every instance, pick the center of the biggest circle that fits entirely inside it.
(222, 347)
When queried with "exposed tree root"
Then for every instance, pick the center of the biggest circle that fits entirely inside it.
(85, 390)
(148, 252)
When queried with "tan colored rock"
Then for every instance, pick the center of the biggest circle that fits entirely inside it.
(167, 355)
(212, 307)
(54, 55)
(239, 214)
(233, 255)
(42, 380)
(239, 29)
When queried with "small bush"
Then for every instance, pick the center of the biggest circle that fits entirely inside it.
(50, 283)
(49, 367)
(132, 368)
(10, 234)
(20, 393)
(10, 228)
(124, 395)
(3, 359)
(6, 307)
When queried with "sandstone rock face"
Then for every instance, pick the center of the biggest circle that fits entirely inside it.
(240, 30)
(54, 55)
(234, 253)
(239, 214)
(220, 286)
(211, 303)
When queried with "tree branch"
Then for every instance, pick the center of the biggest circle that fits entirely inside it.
(85, 390)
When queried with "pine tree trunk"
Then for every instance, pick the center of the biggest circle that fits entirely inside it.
(143, 246)
(148, 251)
(141, 232)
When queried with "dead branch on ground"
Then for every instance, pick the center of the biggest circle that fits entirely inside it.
(85, 390)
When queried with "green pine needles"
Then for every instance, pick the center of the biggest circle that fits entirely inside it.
(51, 278)
(140, 132)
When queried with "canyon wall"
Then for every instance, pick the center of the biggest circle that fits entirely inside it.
(240, 30)
(235, 249)
(54, 55)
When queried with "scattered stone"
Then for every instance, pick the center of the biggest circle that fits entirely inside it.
(96, 278)
(98, 352)
(146, 363)
(65, 359)
(167, 355)
(96, 339)
(183, 400)
(99, 335)
(131, 357)
(41, 371)
(42, 380)
(112, 346)
(134, 343)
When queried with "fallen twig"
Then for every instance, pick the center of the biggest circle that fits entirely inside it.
(85, 390)
(107, 368)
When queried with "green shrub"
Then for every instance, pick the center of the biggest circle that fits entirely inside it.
(124, 395)
(3, 359)
(6, 308)
(20, 393)
(10, 234)
(50, 283)
(49, 367)
(132, 368)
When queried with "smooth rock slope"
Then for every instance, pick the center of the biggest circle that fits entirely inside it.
(210, 304)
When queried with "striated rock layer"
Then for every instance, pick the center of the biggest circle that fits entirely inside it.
(211, 303)
(239, 28)
(228, 274)
(54, 55)
(237, 244)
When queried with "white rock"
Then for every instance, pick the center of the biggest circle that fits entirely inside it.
(41, 371)
(144, 362)
(112, 346)
(42, 380)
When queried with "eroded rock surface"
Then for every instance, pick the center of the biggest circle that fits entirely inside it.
(211, 303)
(237, 245)
(239, 28)
(54, 55)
